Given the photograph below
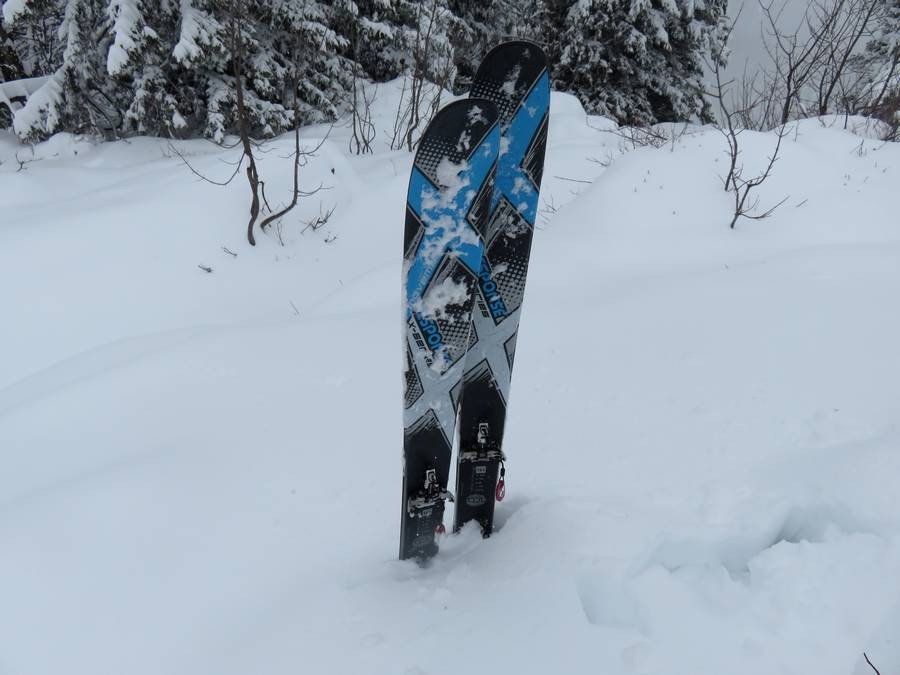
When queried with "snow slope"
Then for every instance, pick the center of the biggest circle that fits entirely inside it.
(201, 471)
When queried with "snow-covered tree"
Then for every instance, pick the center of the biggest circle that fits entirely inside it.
(168, 68)
(159, 98)
(390, 37)
(10, 69)
(10, 64)
(178, 67)
(303, 55)
(78, 95)
(638, 61)
(33, 26)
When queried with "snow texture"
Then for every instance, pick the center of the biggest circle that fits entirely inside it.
(41, 107)
(201, 470)
(19, 88)
(12, 8)
(198, 31)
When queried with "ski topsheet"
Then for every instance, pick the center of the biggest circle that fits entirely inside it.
(514, 77)
(447, 209)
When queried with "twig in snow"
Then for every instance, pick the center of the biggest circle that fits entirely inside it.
(23, 162)
(605, 163)
(317, 222)
(870, 663)
(237, 167)
(575, 180)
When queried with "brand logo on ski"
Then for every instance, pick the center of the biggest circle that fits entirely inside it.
(489, 291)
(431, 332)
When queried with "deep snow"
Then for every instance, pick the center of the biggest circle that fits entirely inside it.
(201, 471)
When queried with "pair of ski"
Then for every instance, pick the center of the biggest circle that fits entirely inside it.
(470, 212)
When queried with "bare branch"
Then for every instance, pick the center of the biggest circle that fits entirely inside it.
(320, 220)
(574, 180)
(741, 188)
(200, 175)
(417, 106)
(745, 204)
(871, 665)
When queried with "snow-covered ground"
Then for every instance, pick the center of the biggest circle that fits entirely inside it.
(200, 471)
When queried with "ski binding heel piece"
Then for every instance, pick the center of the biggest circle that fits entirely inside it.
(429, 496)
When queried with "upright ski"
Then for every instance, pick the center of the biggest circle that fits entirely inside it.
(514, 77)
(448, 203)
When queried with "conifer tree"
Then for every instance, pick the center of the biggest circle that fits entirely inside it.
(161, 67)
(33, 28)
(10, 64)
(166, 68)
(637, 61)
(78, 95)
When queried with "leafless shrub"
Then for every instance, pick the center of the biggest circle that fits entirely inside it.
(741, 186)
(549, 209)
(854, 23)
(235, 39)
(809, 69)
(430, 73)
(362, 127)
(320, 220)
(605, 162)
(24, 162)
(640, 137)
(632, 138)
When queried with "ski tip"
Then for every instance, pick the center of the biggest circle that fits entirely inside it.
(525, 49)
(471, 110)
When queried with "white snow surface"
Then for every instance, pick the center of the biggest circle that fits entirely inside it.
(201, 471)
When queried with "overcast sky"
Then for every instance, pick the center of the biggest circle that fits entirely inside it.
(746, 42)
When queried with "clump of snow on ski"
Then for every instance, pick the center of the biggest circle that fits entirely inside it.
(438, 298)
